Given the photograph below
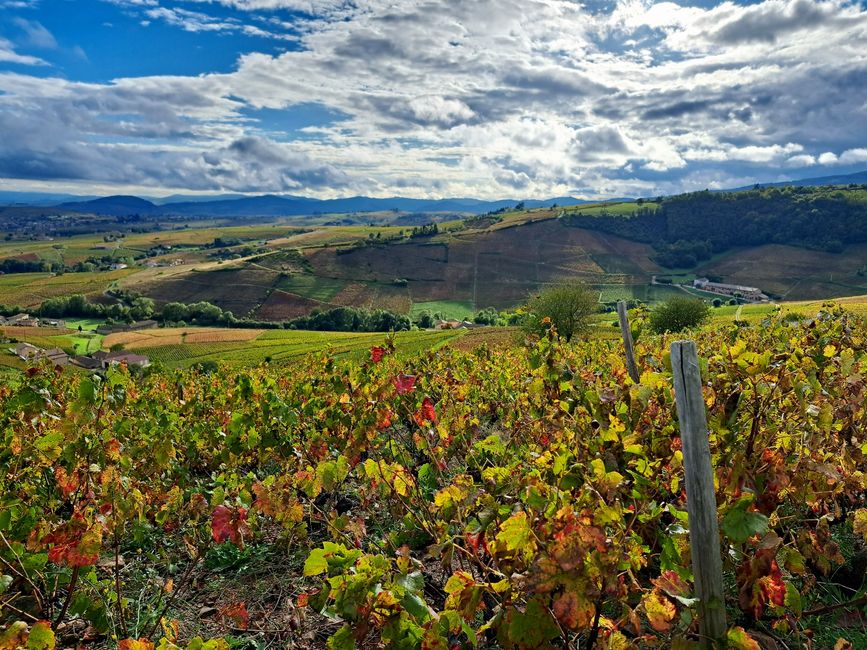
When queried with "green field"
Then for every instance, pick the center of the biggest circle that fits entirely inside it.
(86, 324)
(311, 286)
(450, 309)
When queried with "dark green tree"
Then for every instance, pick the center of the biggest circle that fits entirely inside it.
(568, 306)
(678, 313)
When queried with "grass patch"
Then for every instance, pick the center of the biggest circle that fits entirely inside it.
(450, 309)
(311, 286)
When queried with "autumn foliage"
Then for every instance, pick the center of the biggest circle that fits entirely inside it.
(524, 497)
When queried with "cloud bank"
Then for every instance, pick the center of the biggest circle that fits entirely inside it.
(431, 98)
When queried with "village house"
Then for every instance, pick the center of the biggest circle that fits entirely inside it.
(22, 320)
(88, 363)
(31, 353)
(55, 356)
(26, 351)
(109, 359)
(52, 322)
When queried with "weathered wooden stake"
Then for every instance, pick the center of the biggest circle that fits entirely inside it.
(700, 494)
(626, 332)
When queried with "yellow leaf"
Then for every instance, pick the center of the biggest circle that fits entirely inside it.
(660, 611)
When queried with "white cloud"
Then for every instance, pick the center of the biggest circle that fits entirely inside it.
(9, 55)
(487, 98)
(851, 156)
(36, 35)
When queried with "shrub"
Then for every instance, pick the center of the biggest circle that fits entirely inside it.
(567, 306)
(678, 313)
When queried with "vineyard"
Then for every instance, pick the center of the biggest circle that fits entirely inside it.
(501, 496)
(175, 347)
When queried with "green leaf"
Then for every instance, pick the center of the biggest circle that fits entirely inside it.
(341, 640)
(416, 607)
(740, 525)
(515, 534)
(41, 637)
(315, 563)
(530, 629)
(87, 391)
(738, 639)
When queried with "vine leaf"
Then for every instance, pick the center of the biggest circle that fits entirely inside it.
(403, 384)
(237, 613)
(660, 610)
(574, 610)
(427, 413)
(740, 524)
(229, 524)
(738, 639)
(760, 582)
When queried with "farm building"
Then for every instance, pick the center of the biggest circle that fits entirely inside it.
(22, 320)
(56, 356)
(130, 359)
(26, 351)
(88, 363)
(752, 294)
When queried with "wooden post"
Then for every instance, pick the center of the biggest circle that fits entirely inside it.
(626, 332)
(700, 494)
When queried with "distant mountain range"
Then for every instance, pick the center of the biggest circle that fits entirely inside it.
(235, 205)
(287, 206)
(858, 178)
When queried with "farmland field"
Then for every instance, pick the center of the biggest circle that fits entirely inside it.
(183, 347)
(31, 289)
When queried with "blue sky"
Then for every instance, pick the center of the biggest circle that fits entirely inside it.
(428, 98)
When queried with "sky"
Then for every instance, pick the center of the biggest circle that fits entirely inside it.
(428, 98)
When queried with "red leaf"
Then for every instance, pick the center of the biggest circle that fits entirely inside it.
(383, 419)
(66, 482)
(477, 541)
(229, 524)
(237, 612)
(426, 413)
(672, 584)
(76, 543)
(376, 353)
(404, 384)
(760, 583)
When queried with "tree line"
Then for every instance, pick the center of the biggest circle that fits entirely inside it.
(688, 228)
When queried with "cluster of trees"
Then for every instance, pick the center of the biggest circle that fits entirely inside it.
(17, 265)
(427, 230)
(130, 307)
(687, 228)
(199, 313)
(351, 319)
(569, 308)
(683, 254)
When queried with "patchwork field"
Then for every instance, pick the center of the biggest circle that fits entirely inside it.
(499, 267)
(31, 289)
(277, 346)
